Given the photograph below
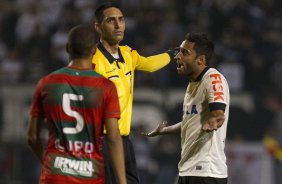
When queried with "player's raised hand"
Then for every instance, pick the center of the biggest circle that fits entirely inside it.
(157, 131)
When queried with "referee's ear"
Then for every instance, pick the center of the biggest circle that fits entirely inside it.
(98, 28)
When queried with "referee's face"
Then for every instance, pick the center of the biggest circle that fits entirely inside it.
(112, 27)
(186, 60)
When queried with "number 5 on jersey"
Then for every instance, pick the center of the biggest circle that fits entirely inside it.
(67, 97)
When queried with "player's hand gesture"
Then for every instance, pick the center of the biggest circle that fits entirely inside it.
(157, 131)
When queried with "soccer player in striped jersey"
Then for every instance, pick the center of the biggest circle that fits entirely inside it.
(118, 63)
(76, 103)
(205, 115)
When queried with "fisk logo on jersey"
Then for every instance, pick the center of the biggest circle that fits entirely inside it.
(217, 87)
(74, 167)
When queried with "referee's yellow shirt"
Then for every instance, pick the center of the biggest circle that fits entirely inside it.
(121, 73)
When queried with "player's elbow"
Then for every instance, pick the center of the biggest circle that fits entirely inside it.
(114, 138)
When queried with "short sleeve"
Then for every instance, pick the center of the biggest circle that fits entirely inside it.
(217, 91)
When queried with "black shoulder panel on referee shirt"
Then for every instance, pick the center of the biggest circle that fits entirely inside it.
(217, 106)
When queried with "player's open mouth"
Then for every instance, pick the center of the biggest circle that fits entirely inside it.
(179, 66)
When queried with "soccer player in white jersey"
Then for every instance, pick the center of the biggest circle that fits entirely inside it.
(205, 115)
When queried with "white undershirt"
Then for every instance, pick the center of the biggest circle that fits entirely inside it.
(116, 56)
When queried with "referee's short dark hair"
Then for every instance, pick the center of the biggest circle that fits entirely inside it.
(100, 10)
(81, 41)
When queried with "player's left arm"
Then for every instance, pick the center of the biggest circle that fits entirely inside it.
(115, 147)
(34, 141)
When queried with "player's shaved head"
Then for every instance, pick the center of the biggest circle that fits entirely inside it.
(81, 41)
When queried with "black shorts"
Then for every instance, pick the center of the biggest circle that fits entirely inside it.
(200, 180)
(130, 163)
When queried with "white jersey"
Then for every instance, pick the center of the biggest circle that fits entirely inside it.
(203, 153)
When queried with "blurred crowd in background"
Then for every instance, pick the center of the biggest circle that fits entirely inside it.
(248, 51)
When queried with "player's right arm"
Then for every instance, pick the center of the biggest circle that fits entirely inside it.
(34, 127)
(115, 147)
(163, 129)
(36, 119)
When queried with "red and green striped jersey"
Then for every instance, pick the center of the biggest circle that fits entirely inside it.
(74, 103)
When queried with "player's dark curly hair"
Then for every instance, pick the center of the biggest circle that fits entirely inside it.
(99, 16)
(203, 46)
(81, 41)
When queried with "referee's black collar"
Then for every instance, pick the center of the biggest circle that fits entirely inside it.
(109, 57)
(199, 78)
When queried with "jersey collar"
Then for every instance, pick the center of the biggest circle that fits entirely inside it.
(199, 78)
(109, 57)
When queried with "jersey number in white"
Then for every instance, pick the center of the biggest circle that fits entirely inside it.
(67, 97)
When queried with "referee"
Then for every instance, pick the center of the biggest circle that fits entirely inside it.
(118, 63)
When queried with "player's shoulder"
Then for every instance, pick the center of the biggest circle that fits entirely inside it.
(108, 84)
(58, 71)
(213, 74)
(212, 71)
(44, 80)
(107, 81)
(49, 77)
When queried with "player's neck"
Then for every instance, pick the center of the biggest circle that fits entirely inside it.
(111, 48)
(193, 77)
(81, 63)
(196, 74)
